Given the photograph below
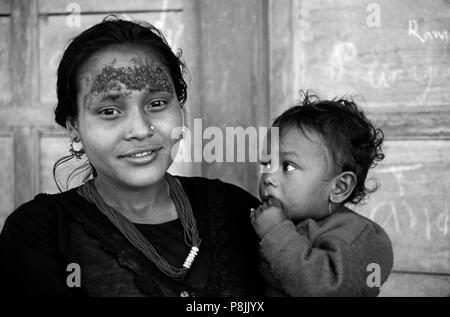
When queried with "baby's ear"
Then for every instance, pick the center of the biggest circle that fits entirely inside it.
(342, 187)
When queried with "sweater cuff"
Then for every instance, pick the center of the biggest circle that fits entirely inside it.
(279, 234)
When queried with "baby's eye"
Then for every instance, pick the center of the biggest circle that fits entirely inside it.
(288, 167)
(156, 105)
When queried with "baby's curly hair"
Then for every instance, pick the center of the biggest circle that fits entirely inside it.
(355, 144)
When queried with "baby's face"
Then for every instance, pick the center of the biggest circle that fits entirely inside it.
(301, 184)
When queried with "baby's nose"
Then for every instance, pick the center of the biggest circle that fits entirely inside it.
(271, 179)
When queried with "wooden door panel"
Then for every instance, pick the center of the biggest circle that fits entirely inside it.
(62, 6)
(6, 174)
(234, 79)
(416, 285)
(5, 7)
(52, 146)
(5, 82)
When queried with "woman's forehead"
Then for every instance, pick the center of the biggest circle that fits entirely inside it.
(120, 57)
(122, 71)
(149, 77)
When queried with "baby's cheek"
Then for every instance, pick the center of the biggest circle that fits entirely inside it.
(292, 211)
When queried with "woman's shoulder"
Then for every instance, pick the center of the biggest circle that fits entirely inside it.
(42, 211)
(45, 201)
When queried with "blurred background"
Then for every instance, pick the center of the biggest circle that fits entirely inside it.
(247, 60)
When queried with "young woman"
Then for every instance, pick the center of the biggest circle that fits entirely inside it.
(132, 229)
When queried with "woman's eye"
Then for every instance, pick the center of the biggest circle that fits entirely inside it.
(156, 105)
(109, 112)
(288, 167)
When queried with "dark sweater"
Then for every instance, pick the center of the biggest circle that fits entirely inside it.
(43, 236)
(327, 257)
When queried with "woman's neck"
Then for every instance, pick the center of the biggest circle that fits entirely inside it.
(151, 204)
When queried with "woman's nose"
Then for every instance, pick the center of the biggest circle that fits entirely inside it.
(139, 125)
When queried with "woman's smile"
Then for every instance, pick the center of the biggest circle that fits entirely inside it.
(142, 156)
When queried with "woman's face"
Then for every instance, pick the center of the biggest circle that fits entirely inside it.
(122, 94)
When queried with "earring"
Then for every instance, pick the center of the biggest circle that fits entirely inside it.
(329, 207)
(78, 153)
(183, 129)
(183, 133)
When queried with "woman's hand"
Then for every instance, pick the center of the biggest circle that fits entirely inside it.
(266, 216)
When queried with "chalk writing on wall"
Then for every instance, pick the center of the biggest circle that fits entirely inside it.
(400, 212)
(382, 58)
(344, 63)
(424, 36)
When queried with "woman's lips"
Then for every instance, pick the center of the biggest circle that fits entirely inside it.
(141, 157)
(141, 151)
(141, 154)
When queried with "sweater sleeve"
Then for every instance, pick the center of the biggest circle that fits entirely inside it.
(326, 267)
(30, 263)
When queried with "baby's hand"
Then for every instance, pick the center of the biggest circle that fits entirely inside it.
(266, 216)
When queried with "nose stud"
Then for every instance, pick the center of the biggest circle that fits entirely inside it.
(152, 128)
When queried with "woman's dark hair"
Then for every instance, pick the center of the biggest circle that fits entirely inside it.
(355, 144)
(112, 31)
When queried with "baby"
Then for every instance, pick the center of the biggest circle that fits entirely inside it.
(311, 244)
